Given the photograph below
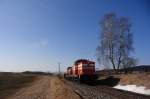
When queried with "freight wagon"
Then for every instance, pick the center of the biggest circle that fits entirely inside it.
(82, 70)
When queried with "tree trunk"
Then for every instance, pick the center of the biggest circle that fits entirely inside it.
(114, 67)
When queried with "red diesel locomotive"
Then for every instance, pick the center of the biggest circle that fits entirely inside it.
(83, 71)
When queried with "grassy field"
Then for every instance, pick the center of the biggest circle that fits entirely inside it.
(11, 82)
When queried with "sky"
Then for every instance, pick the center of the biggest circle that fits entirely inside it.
(37, 34)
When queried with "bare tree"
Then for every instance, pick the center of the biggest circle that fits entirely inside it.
(116, 42)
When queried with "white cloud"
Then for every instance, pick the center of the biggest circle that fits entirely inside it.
(41, 43)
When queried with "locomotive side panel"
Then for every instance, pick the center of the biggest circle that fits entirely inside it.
(75, 70)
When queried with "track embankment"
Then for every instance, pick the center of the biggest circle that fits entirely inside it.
(103, 92)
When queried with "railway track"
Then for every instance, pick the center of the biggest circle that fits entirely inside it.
(103, 92)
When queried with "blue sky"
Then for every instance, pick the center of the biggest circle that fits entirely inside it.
(37, 34)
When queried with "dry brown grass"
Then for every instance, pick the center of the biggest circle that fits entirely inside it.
(11, 82)
(134, 78)
(139, 79)
(60, 90)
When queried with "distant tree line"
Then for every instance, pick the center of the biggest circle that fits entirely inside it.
(115, 43)
(37, 72)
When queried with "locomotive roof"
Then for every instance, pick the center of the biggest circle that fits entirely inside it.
(82, 60)
(68, 68)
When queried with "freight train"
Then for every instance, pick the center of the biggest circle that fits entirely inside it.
(82, 70)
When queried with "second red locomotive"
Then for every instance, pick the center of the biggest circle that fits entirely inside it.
(82, 70)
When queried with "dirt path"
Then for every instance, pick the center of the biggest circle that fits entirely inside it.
(39, 89)
(46, 88)
(59, 90)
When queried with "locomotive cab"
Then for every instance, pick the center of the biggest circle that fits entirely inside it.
(83, 71)
(86, 70)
